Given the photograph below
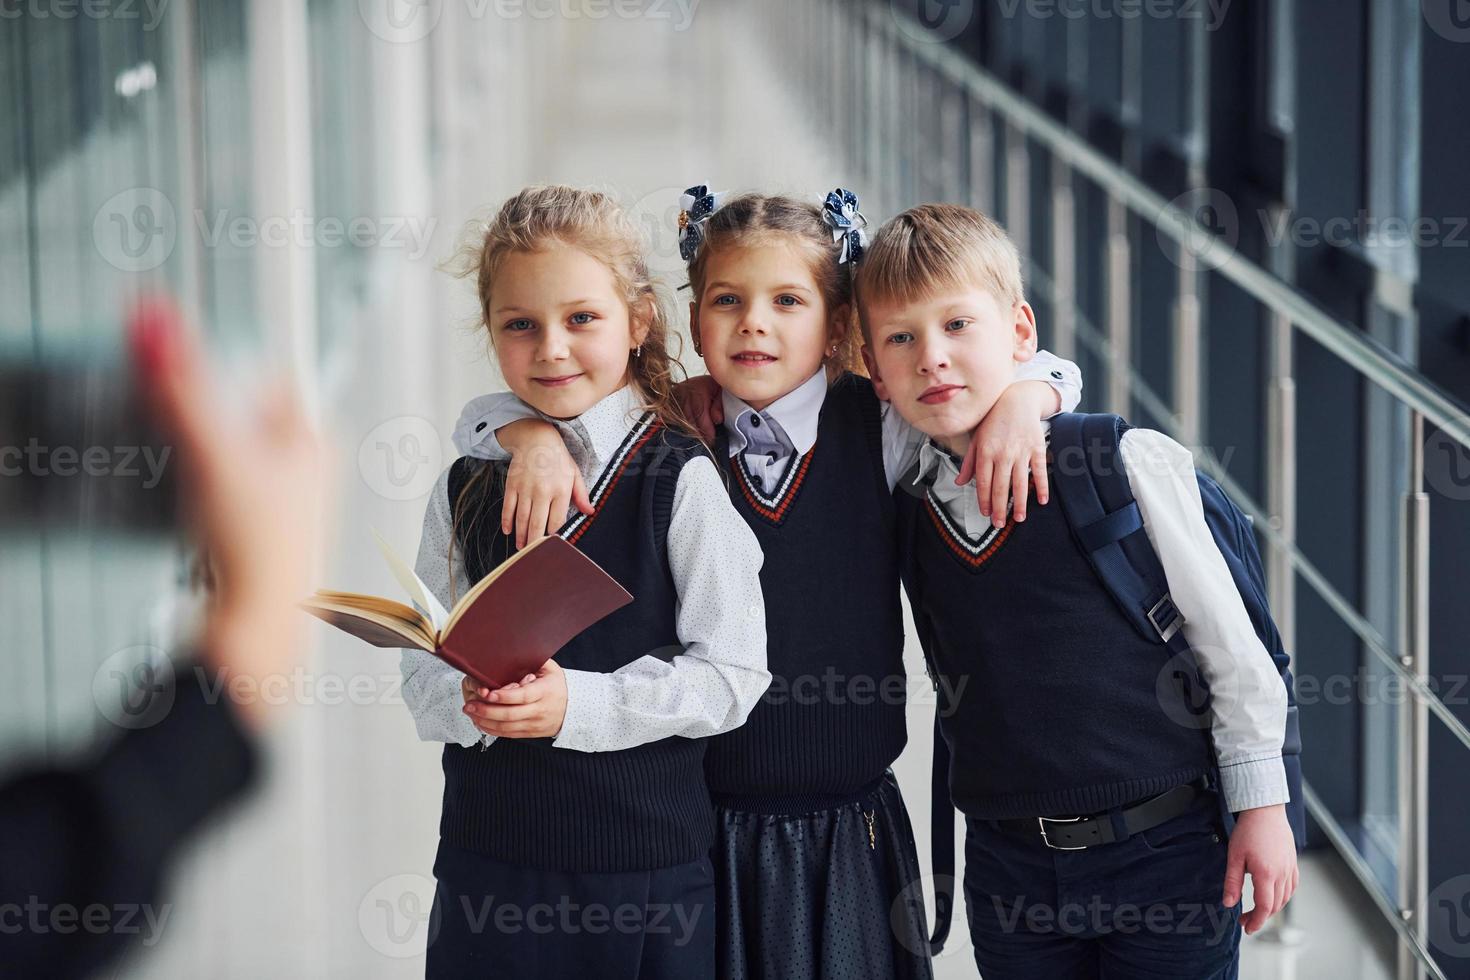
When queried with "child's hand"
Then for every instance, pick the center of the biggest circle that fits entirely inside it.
(533, 707)
(1261, 846)
(472, 689)
(541, 483)
(699, 399)
(1009, 445)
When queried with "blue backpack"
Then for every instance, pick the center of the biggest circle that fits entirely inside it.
(1088, 479)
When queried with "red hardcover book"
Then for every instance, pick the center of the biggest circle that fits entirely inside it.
(510, 623)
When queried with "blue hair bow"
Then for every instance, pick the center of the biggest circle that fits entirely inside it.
(695, 206)
(841, 213)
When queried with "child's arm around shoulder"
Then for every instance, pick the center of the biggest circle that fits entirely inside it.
(713, 684)
(542, 481)
(1010, 444)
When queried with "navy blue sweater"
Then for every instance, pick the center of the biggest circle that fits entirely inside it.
(527, 802)
(1052, 703)
(833, 718)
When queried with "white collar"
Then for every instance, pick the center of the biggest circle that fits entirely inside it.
(796, 412)
(935, 459)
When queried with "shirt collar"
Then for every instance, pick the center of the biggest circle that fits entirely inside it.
(796, 412)
(936, 461)
(606, 424)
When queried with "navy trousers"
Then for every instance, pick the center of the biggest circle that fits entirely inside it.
(493, 920)
(1147, 908)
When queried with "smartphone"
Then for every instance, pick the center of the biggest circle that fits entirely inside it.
(77, 449)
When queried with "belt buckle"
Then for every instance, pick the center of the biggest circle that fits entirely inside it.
(1043, 821)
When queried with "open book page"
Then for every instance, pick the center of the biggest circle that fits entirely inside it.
(381, 622)
(414, 586)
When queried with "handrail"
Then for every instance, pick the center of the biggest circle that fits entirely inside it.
(1365, 355)
(907, 42)
(1350, 856)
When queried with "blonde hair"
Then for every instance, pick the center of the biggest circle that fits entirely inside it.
(934, 247)
(592, 222)
(763, 219)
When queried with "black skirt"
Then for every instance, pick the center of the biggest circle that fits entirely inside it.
(819, 889)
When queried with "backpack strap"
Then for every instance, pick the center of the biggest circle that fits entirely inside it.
(1097, 499)
(1092, 485)
(941, 841)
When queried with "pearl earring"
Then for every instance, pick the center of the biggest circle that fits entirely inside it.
(638, 351)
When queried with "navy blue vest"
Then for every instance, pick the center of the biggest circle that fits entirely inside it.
(526, 802)
(1064, 709)
(833, 718)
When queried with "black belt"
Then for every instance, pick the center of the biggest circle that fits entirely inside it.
(1080, 833)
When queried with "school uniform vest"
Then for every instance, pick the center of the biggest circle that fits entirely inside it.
(1056, 706)
(527, 802)
(833, 718)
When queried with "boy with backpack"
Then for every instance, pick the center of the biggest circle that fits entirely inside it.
(1118, 706)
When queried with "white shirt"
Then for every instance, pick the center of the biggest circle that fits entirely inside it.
(1248, 699)
(720, 616)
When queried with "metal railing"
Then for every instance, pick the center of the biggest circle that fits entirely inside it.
(885, 83)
